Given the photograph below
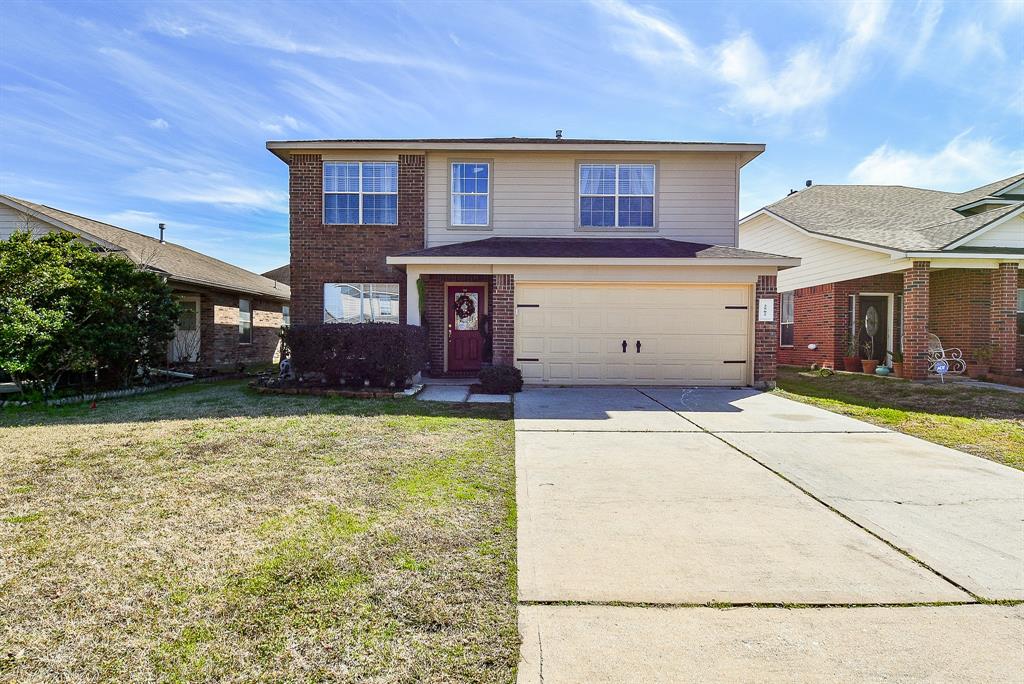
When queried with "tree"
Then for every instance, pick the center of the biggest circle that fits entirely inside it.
(65, 308)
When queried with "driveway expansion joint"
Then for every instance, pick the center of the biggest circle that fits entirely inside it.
(977, 598)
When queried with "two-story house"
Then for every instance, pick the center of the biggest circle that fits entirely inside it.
(578, 261)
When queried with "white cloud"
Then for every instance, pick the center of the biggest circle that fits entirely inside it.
(280, 124)
(811, 73)
(198, 187)
(159, 124)
(930, 13)
(974, 41)
(962, 164)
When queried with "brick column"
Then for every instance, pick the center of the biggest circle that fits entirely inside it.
(503, 319)
(915, 320)
(305, 209)
(1003, 319)
(766, 335)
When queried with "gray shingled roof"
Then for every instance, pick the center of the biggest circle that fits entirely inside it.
(588, 248)
(179, 263)
(890, 216)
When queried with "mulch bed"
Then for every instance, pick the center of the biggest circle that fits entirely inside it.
(368, 393)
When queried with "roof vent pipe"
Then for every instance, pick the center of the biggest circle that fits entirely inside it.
(161, 233)
(808, 183)
(558, 134)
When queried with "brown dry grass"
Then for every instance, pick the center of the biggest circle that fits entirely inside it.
(208, 534)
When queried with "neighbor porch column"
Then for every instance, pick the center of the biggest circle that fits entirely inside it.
(503, 319)
(1003, 319)
(915, 320)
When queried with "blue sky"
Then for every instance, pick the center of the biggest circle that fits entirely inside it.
(137, 113)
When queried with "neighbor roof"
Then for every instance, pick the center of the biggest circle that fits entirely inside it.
(179, 263)
(893, 216)
(284, 148)
(586, 248)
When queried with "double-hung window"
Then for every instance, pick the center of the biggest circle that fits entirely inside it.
(616, 195)
(361, 193)
(786, 320)
(471, 184)
(361, 302)
(244, 321)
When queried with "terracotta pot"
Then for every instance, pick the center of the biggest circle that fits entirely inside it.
(869, 365)
(851, 364)
(897, 369)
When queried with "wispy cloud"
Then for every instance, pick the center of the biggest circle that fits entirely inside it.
(964, 162)
(810, 74)
(197, 187)
(280, 124)
(974, 40)
(159, 124)
(925, 17)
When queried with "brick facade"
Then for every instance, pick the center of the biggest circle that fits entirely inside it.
(503, 297)
(1003, 319)
(347, 253)
(766, 336)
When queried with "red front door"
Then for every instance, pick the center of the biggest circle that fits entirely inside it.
(465, 341)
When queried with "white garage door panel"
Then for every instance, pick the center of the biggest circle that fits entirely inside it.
(575, 332)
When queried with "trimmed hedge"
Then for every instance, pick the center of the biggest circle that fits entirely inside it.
(352, 354)
(501, 380)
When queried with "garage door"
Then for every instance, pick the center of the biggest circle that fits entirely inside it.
(573, 333)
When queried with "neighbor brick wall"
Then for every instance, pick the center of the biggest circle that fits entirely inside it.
(503, 314)
(219, 345)
(1003, 320)
(916, 306)
(814, 317)
(960, 301)
(347, 253)
(766, 335)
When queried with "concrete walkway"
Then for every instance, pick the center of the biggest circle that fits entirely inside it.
(736, 498)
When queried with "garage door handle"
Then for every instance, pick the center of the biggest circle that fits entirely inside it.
(638, 346)
(623, 346)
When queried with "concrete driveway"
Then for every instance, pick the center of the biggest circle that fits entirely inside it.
(665, 500)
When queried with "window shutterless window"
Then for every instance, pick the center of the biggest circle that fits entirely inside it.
(361, 302)
(244, 321)
(786, 320)
(616, 195)
(361, 193)
(471, 185)
(286, 316)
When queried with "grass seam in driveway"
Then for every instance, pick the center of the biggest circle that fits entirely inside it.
(977, 599)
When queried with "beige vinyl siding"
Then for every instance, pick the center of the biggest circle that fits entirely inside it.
(1008, 234)
(823, 261)
(11, 221)
(534, 194)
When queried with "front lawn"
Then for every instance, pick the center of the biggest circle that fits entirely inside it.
(211, 534)
(984, 422)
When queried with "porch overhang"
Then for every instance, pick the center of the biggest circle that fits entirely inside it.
(589, 252)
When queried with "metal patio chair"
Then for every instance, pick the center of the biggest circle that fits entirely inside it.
(953, 357)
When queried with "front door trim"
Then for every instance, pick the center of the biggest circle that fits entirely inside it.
(890, 300)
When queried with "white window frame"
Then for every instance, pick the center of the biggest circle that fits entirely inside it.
(580, 195)
(453, 193)
(248, 303)
(782, 317)
(286, 315)
(359, 193)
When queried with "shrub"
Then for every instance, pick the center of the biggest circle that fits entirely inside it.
(501, 379)
(381, 353)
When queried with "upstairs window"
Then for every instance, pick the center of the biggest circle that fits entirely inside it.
(244, 321)
(286, 316)
(617, 195)
(471, 186)
(786, 320)
(361, 193)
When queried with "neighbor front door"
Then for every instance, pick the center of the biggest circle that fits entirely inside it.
(874, 328)
(465, 339)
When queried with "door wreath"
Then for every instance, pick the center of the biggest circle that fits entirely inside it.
(464, 306)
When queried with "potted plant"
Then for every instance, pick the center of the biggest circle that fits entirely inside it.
(982, 356)
(897, 363)
(851, 362)
(868, 364)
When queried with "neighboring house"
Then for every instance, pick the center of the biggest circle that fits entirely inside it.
(229, 316)
(579, 261)
(918, 261)
(281, 274)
